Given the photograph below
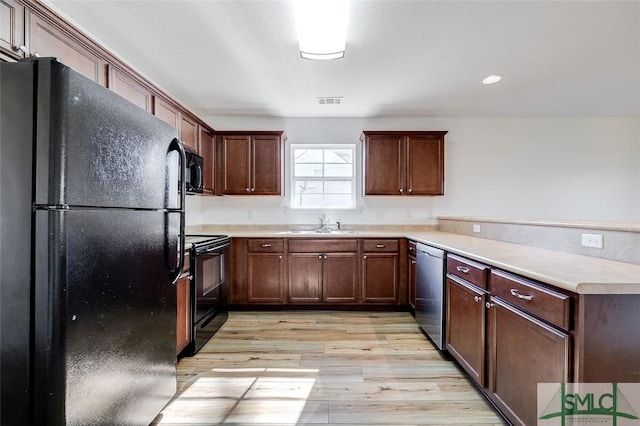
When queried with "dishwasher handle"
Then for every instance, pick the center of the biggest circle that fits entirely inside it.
(430, 251)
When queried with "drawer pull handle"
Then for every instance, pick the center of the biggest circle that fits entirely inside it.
(516, 293)
(489, 305)
(477, 298)
(265, 245)
(381, 245)
(462, 269)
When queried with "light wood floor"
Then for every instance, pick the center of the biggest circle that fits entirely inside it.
(265, 368)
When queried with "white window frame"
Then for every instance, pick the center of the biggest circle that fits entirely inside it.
(293, 176)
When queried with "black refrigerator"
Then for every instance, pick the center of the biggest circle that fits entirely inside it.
(91, 219)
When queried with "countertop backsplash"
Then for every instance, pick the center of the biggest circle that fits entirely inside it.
(621, 241)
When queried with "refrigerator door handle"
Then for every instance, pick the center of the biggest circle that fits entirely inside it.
(174, 273)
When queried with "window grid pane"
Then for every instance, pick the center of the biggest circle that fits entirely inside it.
(323, 177)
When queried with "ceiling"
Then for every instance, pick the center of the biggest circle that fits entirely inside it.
(403, 57)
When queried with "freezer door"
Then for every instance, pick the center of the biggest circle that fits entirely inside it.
(105, 316)
(93, 148)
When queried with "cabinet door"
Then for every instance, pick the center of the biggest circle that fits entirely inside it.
(380, 278)
(425, 165)
(465, 327)
(47, 40)
(340, 278)
(384, 172)
(189, 132)
(265, 278)
(166, 112)
(206, 148)
(12, 29)
(183, 311)
(523, 352)
(266, 178)
(129, 88)
(305, 277)
(236, 164)
(412, 282)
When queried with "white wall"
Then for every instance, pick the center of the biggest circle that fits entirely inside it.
(528, 168)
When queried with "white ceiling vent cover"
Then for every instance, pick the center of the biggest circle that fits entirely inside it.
(335, 100)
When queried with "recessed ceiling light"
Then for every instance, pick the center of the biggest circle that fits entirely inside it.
(492, 79)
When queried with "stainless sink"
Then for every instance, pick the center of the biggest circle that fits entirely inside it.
(318, 232)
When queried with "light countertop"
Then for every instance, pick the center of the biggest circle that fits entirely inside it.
(576, 273)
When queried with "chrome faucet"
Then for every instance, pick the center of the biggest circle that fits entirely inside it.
(321, 223)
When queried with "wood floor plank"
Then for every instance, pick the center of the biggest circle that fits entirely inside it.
(319, 368)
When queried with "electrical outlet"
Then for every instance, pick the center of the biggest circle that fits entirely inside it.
(380, 214)
(476, 227)
(592, 240)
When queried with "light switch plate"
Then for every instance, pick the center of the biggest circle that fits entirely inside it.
(476, 227)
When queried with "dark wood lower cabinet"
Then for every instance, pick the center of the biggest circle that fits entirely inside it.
(466, 327)
(305, 277)
(323, 277)
(340, 278)
(265, 278)
(523, 352)
(183, 307)
(380, 277)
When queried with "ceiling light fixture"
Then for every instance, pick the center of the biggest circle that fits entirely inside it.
(321, 27)
(492, 79)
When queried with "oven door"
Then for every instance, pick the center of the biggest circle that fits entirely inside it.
(211, 282)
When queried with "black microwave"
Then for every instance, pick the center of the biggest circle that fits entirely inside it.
(194, 175)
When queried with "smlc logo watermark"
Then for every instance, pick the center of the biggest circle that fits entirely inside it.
(588, 404)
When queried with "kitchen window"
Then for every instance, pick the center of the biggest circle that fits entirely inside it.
(323, 176)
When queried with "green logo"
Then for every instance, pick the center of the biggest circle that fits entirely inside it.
(585, 402)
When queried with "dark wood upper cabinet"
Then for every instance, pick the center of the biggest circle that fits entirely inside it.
(166, 112)
(189, 132)
(47, 39)
(12, 25)
(206, 149)
(403, 163)
(251, 162)
(130, 88)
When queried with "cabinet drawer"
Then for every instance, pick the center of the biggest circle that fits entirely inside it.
(369, 246)
(470, 271)
(322, 246)
(265, 246)
(542, 302)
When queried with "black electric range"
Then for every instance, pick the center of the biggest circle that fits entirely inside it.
(209, 287)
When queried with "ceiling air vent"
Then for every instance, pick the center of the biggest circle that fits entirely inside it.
(335, 100)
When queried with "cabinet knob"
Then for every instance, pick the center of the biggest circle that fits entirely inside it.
(325, 256)
(410, 190)
(413, 261)
(489, 305)
(401, 190)
(280, 257)
(477, 298)
(253, 189)
(364, 257)
(248, 190)
(22, 48)
(319, 256)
